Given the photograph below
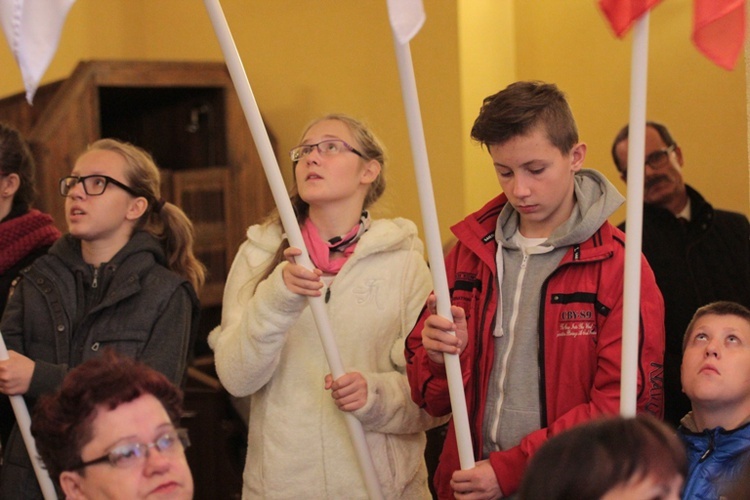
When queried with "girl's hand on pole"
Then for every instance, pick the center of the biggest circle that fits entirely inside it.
(15, 374)
(298, 279)
(436, 336)
(349, 391)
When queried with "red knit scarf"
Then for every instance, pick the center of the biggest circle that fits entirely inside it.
(24, 234)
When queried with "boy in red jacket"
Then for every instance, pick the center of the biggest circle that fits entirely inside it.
(536, 283)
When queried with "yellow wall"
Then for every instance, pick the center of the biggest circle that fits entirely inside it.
(703, 105)
(488, 63)
(306, 58)
(303, 59)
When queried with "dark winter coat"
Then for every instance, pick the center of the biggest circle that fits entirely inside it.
(64, 311)
(695, 264)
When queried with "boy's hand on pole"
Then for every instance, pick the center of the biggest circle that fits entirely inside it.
(438, 336)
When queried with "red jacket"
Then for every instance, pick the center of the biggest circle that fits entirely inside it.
(579, 342)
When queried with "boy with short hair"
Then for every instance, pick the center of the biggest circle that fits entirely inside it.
(536, 280)
(716, 378)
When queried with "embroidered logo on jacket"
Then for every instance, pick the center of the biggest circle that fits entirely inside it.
(577, 322)
(577, 313)
(368, 292)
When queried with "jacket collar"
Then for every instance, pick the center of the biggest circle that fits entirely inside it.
(477, 232)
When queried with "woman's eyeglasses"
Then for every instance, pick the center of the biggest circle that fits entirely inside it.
(131, 454)
(328, 147)
(93, 185)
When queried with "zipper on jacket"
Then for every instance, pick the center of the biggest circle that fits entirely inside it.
(709, 450)
(478, 437)
(95, 281)
(511, 336)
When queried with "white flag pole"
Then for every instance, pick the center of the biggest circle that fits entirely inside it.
(634, 219)
(291, 227)
(434, 246)
(24, 424)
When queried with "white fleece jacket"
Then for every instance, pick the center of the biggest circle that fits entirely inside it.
(268, 346)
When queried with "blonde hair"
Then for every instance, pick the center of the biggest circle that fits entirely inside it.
(371, 149)
(165, 221)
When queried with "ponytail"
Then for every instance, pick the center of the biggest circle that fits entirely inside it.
(165, 221)
(173, 228)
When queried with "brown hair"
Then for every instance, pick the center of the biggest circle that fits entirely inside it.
(371, 149)
(167, 222)
(585, 462)
(720, 308)
(62, 423)
(16, 158)
(521, 107)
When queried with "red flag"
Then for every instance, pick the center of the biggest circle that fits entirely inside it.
(719, 29)
(622, 14)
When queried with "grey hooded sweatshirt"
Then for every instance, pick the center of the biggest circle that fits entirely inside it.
(513, 400)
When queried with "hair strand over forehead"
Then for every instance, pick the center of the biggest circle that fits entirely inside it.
(519, 109)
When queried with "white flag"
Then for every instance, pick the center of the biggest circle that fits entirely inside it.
(33, 29)
(407, 18)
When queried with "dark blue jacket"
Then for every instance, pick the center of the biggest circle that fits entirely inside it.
(715, 459)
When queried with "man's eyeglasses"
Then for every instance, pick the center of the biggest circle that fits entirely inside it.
(330, 147)
(659, 158)
(93, 185)
(171, 443)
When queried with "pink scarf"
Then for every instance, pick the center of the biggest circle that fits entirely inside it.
(320, 251)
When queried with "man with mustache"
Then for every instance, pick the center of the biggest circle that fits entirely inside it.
(699, 254)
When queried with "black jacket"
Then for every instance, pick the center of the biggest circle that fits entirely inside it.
(695, 264)
(59, 319)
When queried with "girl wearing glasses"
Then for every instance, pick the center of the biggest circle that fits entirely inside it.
(124, 277)
(374, 279)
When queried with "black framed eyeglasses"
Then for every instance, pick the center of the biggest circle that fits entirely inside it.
(93, 185)
(329, 147)
(129, 455)
(659, 158)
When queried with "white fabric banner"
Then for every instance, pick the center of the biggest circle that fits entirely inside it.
(33, 29)
(407, 18)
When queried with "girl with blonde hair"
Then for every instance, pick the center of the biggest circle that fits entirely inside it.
(124, 277)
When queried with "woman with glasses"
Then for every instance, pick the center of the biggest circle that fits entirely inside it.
(111, 432)
(124, 277)
(25, 233)
(374, 281)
